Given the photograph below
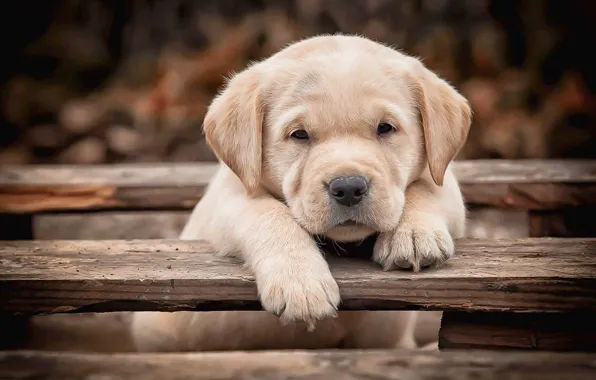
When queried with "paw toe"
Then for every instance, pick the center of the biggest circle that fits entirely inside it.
(413, 250)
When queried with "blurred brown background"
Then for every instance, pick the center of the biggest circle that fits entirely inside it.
(89, 81)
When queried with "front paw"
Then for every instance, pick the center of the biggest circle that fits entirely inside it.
(413, 247)
(299, 291)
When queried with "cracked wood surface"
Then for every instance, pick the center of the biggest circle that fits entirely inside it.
(524, 275)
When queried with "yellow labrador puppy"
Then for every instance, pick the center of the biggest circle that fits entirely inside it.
(336, 137)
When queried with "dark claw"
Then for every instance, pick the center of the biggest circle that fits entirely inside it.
(427, 262)
(404, 264)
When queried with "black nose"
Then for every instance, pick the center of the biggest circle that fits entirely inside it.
(348, 190)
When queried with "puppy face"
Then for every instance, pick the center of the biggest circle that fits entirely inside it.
(337, 127)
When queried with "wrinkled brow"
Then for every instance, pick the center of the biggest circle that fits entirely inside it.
(398, 116)
(287, 121)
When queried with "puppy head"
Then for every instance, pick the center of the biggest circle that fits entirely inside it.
(337, 127)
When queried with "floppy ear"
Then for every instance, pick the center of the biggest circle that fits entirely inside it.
(234, 125)
(446, 119)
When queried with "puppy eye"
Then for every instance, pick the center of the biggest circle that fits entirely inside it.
(300, 134)
(384, 128)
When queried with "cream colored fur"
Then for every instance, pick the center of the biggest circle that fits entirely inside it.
(268, 198)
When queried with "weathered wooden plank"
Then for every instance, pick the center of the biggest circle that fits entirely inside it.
(526, 171)
(526, 275)
(189, 174)
(527, 331)
(33, 199)
(307, 365)
(122, 175)
(524, 184)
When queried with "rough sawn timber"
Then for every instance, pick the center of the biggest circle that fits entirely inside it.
(299, 365)
(525, 275)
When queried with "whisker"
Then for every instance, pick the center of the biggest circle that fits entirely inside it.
(336, 245)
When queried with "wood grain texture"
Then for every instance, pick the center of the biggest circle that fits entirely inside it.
(523, 184)
(518, 331)
(526, 275)
(188, 174)
(296, 365)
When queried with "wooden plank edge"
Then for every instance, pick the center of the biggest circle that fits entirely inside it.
(335, 364)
